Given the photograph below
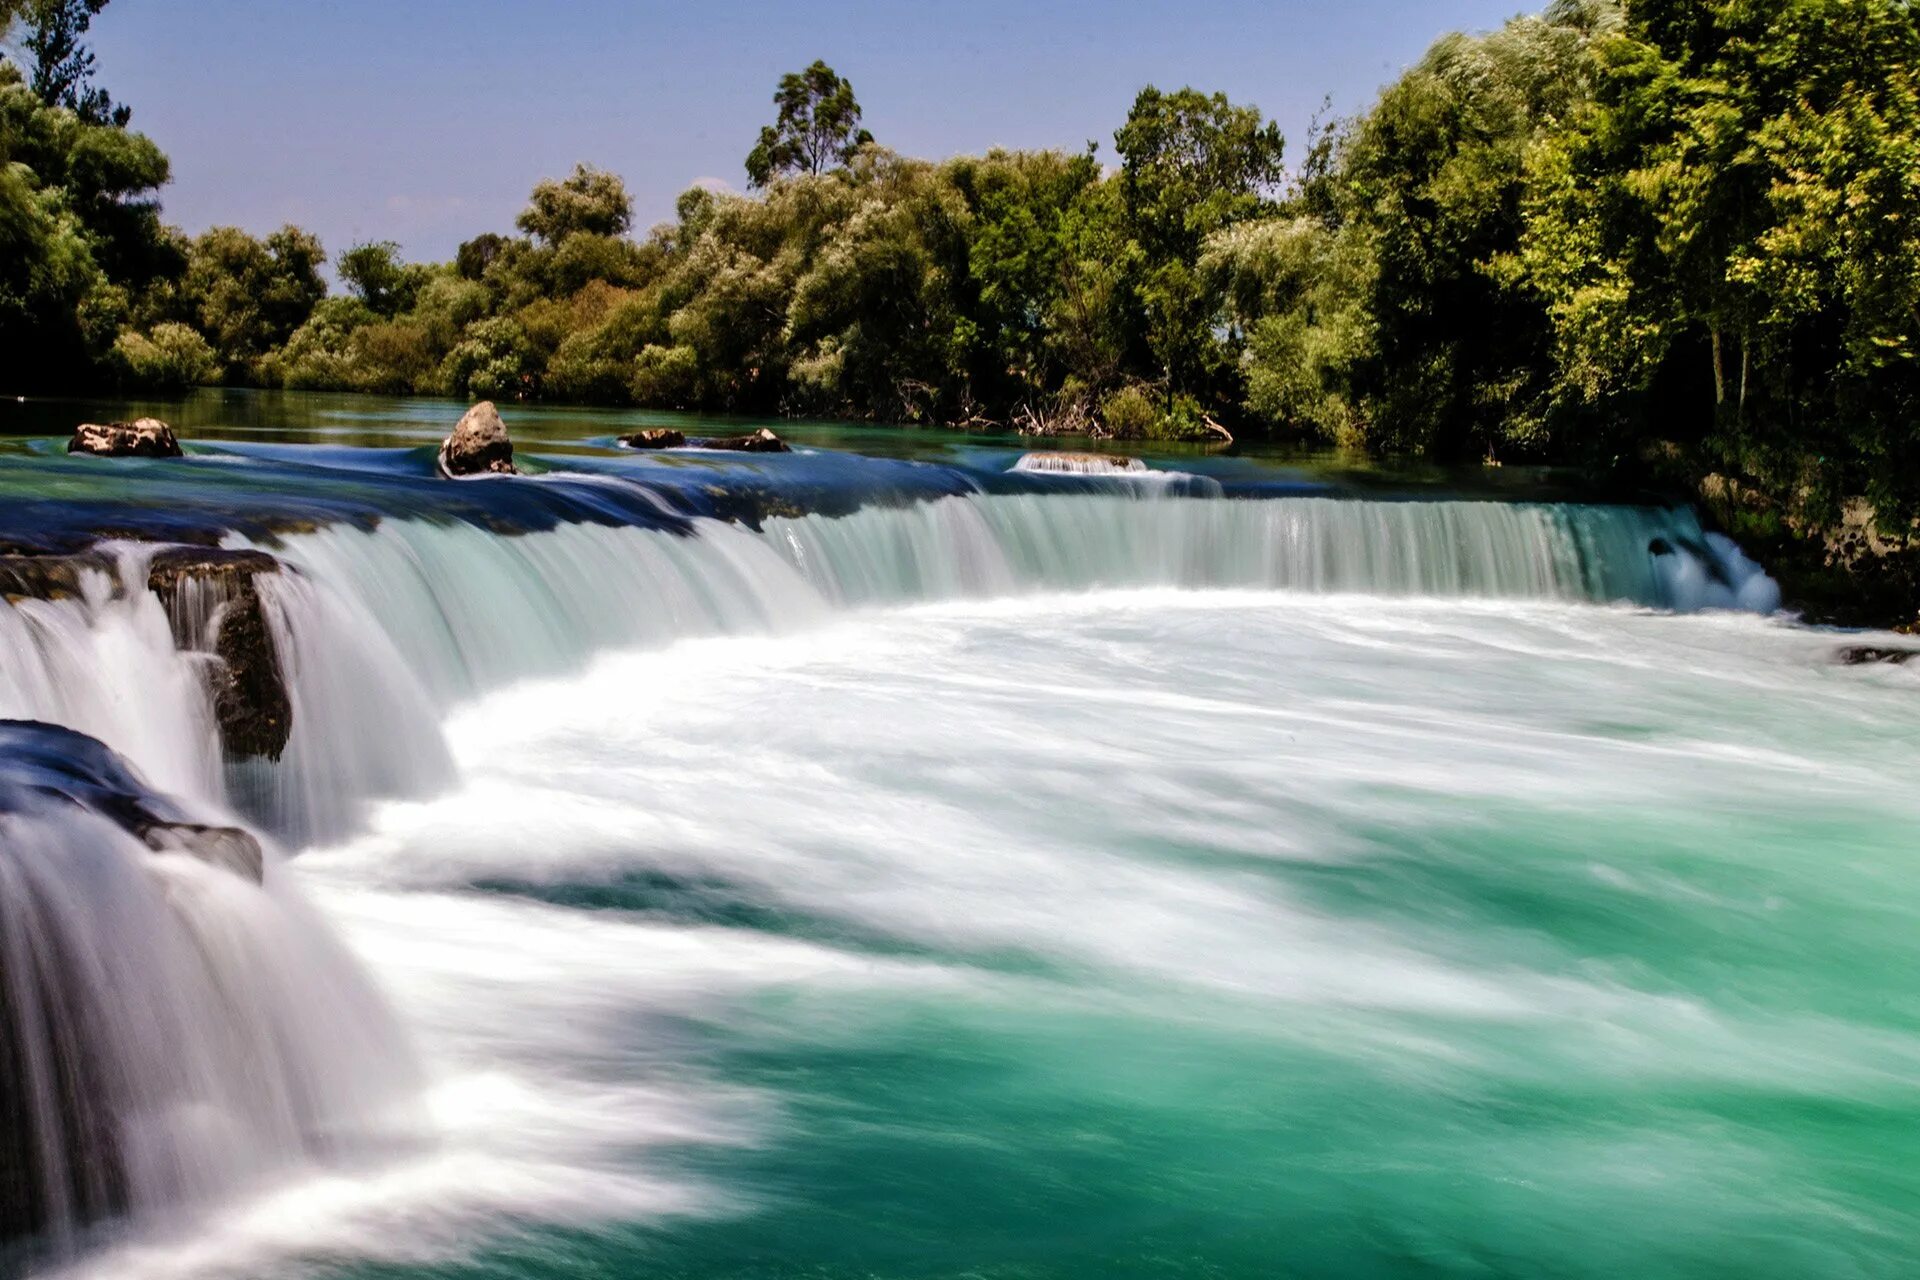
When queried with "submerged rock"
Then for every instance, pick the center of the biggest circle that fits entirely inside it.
(655, 438)
(229, 848)
(142, 438)
(1858, 655)
(761, 441)
(478, 445)
(213, 600)
(45, 767)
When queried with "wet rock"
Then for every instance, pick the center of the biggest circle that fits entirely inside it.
(213, 600)
(142, 438)
(478, 445)
(1090, 464)
(1859, 655)
(29, 577)
(228, 848)
(761, 441)
(655, 438)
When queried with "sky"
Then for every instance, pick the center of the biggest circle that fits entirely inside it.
(427, 121)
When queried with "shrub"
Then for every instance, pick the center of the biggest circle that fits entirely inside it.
(1129, 413)
(170, 356)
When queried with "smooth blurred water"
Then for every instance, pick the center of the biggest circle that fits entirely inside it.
(1149, 933)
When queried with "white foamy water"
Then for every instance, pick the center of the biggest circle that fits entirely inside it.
(617, 818)
(1273, 816)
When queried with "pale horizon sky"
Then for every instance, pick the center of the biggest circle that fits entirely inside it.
(427, 121)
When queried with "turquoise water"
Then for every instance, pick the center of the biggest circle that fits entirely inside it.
(1151, 933)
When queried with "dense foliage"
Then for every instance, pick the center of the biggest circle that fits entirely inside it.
(1633, 234)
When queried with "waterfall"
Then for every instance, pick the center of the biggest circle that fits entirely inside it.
(170, 1030)
(174, 1031)
(381, 629)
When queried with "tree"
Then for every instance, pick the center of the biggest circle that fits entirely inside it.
(818, 127)
(474, 256)
(1435, 179)
(1727, 234)
(63, 66)
(375, 274)
(1191, 165)
(248, 296)
(591, 201)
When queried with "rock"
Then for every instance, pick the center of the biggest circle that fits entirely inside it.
(213, 600)
(761, 441)
(228, 848)
(1085, 464)
(478, 445)
(1860, 654)
(29, 577)
(143, 438)
(655, 438)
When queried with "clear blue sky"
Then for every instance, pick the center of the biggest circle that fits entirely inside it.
(427, 121)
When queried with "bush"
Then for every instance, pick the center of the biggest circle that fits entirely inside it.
(666, 377)
(170, 357)
(1129, 413)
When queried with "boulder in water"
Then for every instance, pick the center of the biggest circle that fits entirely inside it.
(46, 768)
(212, 597)
(1082, 464)
(228, 848)
(655, 438)
(141, 438)
(478, 445)
(761, 441)
(1859, 655)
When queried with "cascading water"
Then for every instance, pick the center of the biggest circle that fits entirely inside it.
(1080, 464)
(170, 1030)
(381, 630)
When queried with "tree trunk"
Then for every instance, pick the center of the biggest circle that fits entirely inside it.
(1746, 364)
(1719, 372)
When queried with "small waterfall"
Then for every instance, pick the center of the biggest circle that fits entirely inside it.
(1080, 464)
(170, 1030)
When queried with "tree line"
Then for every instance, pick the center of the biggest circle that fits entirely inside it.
(1632, 234)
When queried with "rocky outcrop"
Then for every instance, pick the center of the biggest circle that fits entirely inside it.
(213, 600)
(29, 577)
(655, 438)
(478, 446)
(142, 438)
(761, 441)
(1084, 464)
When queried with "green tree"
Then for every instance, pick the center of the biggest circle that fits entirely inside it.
(1191, 164)
(588, 202)
(1726, 245)
(818, 127)
(248, 296)
(374, 273)
(62, 65)
(1434, 179)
